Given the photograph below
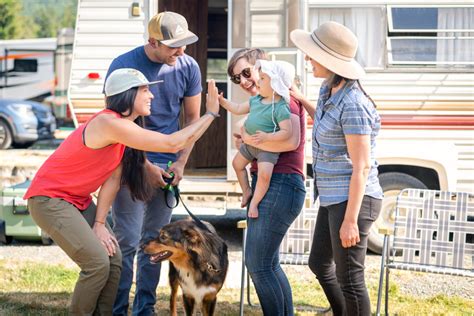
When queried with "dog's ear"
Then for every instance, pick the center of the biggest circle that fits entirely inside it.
(192, 236)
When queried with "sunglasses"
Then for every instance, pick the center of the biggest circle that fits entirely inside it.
(247, 73)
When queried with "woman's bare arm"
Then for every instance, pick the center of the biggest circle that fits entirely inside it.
(278, 146)
(283, 134)
(309, 106)
(116, 130)
(358, 147)
(107, 194)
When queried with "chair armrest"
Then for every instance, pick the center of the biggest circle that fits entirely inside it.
(386, 231)
(242, 224)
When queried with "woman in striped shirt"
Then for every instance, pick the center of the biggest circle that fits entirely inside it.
(345, 127)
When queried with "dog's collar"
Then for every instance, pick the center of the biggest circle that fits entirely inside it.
(210, 268)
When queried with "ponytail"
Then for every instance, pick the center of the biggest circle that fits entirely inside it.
(334, 80)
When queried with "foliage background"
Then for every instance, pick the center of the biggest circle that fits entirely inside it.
(35, 18)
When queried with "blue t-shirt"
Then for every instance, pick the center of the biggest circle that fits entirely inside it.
(179, 81)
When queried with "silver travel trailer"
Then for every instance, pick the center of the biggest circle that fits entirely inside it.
(418, 55)
(27, 68)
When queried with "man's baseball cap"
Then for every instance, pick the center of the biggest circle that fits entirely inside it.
(122, 79)
(171, 29)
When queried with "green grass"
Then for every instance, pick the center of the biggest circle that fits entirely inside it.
(30, 288)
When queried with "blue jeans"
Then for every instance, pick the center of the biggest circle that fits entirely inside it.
(136, 222)
(278, 209)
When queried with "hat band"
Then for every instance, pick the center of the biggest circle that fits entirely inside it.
(327, 49)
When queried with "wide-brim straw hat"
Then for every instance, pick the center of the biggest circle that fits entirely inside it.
(332, 45)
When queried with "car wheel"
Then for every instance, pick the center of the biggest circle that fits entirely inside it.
(392, 184)
(3, 237)
(45, 239)
(5, 135)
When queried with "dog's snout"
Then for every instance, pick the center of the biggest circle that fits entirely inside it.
(145, 243)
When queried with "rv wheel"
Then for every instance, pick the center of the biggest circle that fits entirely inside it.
(5, 135)
(392, 183)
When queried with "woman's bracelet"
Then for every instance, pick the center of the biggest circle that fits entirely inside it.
(103, 223)
(215, 115)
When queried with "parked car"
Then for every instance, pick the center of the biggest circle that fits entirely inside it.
(24, 122)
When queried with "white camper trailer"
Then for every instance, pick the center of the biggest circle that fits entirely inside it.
(27, 68)
(419, 59)
(58, 101)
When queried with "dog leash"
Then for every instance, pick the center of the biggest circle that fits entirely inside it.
(199, 223)
(177, 197)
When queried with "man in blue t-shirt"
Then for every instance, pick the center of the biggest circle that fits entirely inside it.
(162, 58)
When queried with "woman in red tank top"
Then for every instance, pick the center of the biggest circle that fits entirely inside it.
(103, 153)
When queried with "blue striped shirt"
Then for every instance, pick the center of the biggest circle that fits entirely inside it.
(348, 111)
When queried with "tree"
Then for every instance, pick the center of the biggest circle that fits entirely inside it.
(47, 21)
(10, 24)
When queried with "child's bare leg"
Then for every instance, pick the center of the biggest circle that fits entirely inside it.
(265, 170)
(240, 163)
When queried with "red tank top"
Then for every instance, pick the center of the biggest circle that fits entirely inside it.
(74, 171)
(291, 161)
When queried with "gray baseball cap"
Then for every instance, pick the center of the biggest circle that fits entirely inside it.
(122, 79)
(171, 29)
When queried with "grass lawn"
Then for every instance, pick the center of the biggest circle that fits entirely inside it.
(30, 288)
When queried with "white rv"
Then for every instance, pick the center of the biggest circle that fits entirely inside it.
(58, 101)
(419, 58)
(27, 68)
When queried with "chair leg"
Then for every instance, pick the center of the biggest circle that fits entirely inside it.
(387, 272)
(242, 280)
(386, 292)
(382, 267)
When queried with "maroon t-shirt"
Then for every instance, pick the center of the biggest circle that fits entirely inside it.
(291, 161)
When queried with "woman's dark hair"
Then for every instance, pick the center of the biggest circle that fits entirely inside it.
(334, 80)
(250, 54)
(133, 162)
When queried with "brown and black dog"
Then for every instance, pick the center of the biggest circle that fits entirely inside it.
(198, 263)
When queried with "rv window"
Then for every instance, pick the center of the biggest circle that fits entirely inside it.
(368, 24)
(431, 19)
(25, 65)
(437, 36)
(430, 51)
(414, 19)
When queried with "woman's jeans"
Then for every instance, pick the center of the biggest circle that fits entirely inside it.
(280, 206)
(136, 222)
(340, 271)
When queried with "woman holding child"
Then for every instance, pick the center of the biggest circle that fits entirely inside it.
(284, 198)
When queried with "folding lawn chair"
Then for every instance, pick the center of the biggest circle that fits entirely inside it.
(433, 233)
